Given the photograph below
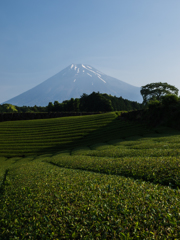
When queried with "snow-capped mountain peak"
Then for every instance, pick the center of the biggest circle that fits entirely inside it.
(86, 69)
(72, 82)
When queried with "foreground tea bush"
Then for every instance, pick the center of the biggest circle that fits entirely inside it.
(163, 170)
(42, 201)
(75, 188)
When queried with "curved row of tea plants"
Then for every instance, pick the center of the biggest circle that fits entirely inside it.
(42, 201)
(163, 170)
(155, 158)
(42, 198)
(29, 137)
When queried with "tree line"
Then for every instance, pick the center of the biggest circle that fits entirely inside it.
(94, 102)
(153, 94)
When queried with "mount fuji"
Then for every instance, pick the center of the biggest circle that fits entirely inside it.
(72, 82)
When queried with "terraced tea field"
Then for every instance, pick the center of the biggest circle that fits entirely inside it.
(110, 179)
(31, 137)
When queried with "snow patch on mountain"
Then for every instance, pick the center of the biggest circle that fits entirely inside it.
(98, 75)
(101, 79)
(72, 82)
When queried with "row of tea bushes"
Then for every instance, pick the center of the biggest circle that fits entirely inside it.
(42, 136)
(43, 201)
(163, 170)
(117, 152)
(160, 163)
(45, 135)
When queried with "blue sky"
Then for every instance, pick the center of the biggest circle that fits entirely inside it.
(136, 41)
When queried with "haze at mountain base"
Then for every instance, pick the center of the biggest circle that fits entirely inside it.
(72, 82)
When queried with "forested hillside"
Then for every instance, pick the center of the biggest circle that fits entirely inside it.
(93, 102)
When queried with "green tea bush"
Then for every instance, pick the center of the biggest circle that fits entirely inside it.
(42, 136)
(163, 170)
(47, 135)
(92, 177)
(60, 203)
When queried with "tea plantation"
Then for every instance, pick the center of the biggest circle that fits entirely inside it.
(89, 177)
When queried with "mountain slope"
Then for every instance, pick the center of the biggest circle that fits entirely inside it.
(72, 82)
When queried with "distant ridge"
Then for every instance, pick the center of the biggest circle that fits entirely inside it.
(72, 82)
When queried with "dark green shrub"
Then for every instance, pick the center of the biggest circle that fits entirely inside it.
(169, 99)
(154, 104)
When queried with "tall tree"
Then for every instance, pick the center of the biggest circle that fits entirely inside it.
(156, 91)
(50, 107)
